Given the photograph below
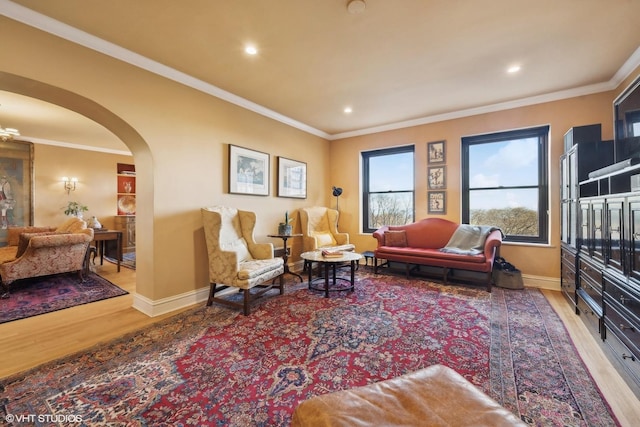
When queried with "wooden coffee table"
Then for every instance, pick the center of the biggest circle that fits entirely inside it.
(331, 263)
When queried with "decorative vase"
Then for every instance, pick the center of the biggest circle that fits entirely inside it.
(284, 229)
(94, 223)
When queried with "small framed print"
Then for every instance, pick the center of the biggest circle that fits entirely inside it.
(292, 178)
(248, 171)
(437, 202)
(437, 176)
(436, 152)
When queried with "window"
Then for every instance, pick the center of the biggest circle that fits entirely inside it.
(504, 183)
(388, 187)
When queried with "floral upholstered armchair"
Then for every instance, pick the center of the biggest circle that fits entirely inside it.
(42, 251)
(235, 259)
(320, 230)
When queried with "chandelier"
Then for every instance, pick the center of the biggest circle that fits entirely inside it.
(7, 134)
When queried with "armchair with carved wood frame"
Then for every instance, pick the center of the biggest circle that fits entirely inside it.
(236, 260)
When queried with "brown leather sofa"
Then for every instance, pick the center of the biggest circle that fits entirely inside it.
(434, 396)
(422, 243)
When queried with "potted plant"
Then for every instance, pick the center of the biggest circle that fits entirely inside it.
(285, 228)
(75, 209)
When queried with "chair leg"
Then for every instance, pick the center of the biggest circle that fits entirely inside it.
(212, 292)
(375, 265)
(5, 291)
(281, 284)
(247, 302)
(489, 281)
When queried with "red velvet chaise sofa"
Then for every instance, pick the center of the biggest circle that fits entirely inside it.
(429, 242)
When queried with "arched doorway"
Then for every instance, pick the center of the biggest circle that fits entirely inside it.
(123, 131)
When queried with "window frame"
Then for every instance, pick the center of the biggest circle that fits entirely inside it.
(540, 132)
(365, 157)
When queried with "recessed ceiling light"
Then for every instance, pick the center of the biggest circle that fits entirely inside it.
(251, 50)
(348, 110)
(356, 6)
(513, 69)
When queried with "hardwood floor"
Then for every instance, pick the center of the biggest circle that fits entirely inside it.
(623, 402)
(30, 342)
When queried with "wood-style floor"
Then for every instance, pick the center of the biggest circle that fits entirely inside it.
(30, 342)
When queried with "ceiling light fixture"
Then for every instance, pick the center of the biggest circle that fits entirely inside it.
(513, 69)
(7, 134)
(356, 6)
(348, 110)
(251, 50)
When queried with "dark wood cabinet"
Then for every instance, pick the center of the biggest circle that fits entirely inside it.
(632, 238)
(606, 253)
(568, 274)
(614, 234)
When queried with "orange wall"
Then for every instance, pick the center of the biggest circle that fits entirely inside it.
(533, 260)
(96, 188)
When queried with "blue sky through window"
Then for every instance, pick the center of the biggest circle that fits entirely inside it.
(504, 164)
(391, 172)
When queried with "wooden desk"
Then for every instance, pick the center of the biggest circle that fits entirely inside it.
(99, 237)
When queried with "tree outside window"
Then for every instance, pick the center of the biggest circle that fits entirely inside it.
(388, 187)
(505, 183)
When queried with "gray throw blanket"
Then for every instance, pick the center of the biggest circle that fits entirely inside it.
(468, 239)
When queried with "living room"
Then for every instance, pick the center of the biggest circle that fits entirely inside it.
(179, 138)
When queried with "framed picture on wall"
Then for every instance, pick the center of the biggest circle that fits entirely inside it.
(437, 202)
(437, 176)
(292, 178)
(248, 171)
(436, 152)
(16, 185)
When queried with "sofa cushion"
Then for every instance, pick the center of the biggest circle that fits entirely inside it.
(7, 253)
(251, 269)
(397, 238)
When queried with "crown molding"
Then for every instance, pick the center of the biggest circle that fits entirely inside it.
(67, 32)
(508, 105)
(44, 23)
(74, 146)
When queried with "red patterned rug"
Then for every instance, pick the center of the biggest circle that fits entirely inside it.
(40, 295)
(212, 366)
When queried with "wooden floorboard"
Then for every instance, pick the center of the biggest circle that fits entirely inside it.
(30, 342)
(624, 404)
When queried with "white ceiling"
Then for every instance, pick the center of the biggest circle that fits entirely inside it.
(398, 63)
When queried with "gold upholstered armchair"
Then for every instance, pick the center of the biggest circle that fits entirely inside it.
(320, 230)
(42, 251)
(235, 259)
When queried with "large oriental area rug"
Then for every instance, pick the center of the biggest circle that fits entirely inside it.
(214, 367)
(40, 295)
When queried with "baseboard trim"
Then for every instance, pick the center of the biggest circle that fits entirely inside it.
(542, 282)
(153, 308)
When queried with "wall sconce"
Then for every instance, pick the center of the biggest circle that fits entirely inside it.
(69, 184)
